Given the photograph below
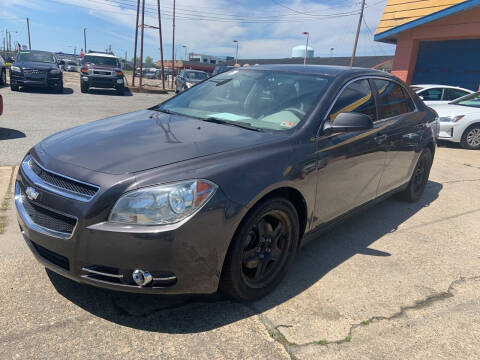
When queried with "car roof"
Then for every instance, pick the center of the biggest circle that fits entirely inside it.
(318, 69)
(429, 86)
(101, 54)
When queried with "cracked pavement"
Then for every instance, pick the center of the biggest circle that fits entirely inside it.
(397, 281)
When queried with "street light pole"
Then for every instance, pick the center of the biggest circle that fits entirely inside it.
(161, 43)
(85, 40)
(173, 45)
(236, 51)
(306, 47)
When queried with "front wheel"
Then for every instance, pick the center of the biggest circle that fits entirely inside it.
(59, 87)
(14, 87)
(261, 251)
(471, 138)
(120, 90)
(419, 179)
(83, 88)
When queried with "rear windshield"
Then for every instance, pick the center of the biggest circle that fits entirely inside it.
(195, 75)
(36, 56)
(100, 60)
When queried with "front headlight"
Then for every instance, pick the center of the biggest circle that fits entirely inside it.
(451, 119)
(55, 71)
(15, 68)
(189, 84)
(164, 204)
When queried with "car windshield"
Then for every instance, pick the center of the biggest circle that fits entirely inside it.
(36, 56)
(261, 99)
(472, 100)
(100, 60)
(194, 75)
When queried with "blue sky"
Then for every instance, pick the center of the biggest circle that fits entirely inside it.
(264, 29)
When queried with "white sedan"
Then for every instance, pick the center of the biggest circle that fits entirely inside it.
(460, 121)
(439, 94)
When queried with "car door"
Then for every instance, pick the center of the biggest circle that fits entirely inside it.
(350, 164)
(401, 126)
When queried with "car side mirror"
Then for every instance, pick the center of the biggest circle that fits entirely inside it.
(345, 122)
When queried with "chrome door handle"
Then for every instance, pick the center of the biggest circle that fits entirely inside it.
(380, 138)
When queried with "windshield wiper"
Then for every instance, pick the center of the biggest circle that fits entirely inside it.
(166, 111)
(241, 124)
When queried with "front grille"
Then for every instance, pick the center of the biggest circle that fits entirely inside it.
(34, 71)
(47, 218)
(63, 182)
(52, 257)
(97, 72)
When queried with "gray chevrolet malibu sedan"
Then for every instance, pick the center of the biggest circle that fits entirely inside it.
(216, 188)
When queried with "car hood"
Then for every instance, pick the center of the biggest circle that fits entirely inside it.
(146, 139)
(36, 65)
(452, 109)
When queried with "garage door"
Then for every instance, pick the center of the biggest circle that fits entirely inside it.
(451, 62)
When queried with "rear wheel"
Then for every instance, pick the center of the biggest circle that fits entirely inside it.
(471, 138)
(59, 87)
(14, 87)
(83, 88)
(3, 77)
(261, 251)
(419, 179)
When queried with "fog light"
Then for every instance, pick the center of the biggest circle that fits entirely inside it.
(141, 277)
(85, 78)
(120, 81)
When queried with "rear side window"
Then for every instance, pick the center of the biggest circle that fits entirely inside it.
(431, 94)
(356, 97)
(452, 94)
(394, 99)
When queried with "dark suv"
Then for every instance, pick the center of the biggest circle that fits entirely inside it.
(36, 68)
(102, 71)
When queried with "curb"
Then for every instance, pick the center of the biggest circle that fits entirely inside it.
(149, 90)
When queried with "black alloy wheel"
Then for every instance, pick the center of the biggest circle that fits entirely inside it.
(419, 179)
(261, 251)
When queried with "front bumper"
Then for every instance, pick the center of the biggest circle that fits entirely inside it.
(49, 81)
(184, 259)
(450, 131)
(102, 81)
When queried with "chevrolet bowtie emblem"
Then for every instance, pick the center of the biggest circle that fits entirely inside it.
(31, 193)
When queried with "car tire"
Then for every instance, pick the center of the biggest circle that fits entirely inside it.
(3, 77)
(83, 88)
(419, 179)
(14, 87)
(59, 88)
(120, 90)
(471, 138)
(261, 251)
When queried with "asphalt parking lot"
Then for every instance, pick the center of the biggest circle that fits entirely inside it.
(399, 281)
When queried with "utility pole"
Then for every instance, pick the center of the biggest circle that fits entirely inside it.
(28, 28)
(161, 43)
(85, 40)
(173, 44)
(306, 47)
(135, 49)
(358, 33)
(141, 44)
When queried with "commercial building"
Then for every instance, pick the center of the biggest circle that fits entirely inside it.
(437, 41)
